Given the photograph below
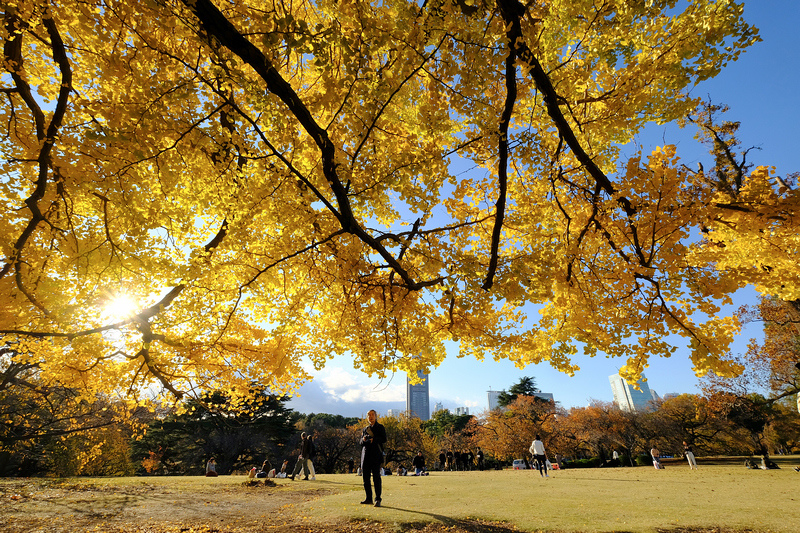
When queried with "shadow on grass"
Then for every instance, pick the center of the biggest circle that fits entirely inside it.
(328, 482)
(477, 526)
(480, 526)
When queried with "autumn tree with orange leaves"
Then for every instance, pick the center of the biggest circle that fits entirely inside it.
(507, 434)
(265, 184)
(759, 396)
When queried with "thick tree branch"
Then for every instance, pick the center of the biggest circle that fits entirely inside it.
(502, 164)
(47, 135)
(512, 12)
(218, 27)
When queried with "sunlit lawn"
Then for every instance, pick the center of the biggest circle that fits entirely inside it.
(619, 499)
(638, 499)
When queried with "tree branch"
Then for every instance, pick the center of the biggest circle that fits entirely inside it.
(220, 28)
(502, 164)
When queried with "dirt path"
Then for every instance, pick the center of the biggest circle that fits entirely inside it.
(42, 506)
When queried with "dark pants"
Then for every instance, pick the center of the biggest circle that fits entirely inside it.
(375, 471)
(540, 464)
(301, 463)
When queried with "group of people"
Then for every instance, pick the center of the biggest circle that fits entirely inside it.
(266, 471)
(418, 463)
(305, 460)
(687, 452)
(460, 461)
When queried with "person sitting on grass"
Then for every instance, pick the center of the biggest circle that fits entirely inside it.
(211, 468)
(265, 468)
(419, 464)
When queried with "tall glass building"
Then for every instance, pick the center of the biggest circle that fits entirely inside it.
(418, 397)
(628, 398)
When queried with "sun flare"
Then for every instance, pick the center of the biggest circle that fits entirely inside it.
(120, 307)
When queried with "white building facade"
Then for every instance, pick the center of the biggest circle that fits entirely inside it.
(628, 398)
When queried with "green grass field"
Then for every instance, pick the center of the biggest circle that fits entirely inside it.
(716, 498)
(585, 500)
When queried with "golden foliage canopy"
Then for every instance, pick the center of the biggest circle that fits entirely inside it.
(277, 181)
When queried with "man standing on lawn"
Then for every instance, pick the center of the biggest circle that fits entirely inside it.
(372, 440)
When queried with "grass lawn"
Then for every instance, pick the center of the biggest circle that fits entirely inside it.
(585, 500)
(713, 499)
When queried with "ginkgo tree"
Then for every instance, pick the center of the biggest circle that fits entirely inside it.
(277, 182)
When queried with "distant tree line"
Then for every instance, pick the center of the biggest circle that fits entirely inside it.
(59, 434)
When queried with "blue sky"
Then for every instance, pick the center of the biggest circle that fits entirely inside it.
(760, 89)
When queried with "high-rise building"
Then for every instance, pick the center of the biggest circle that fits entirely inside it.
(462, 411)
(418, 397)
(493, 396)
(628, 398)
(438, 406)
(393, 412)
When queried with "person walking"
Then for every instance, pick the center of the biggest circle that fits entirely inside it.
(373, 437)
(312, 453)
(687, 451)
(480, 459)
(302, 459)
(656, 455)
(537, 450)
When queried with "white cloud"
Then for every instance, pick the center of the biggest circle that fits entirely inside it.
(336, 390)
(336, 378)
(351, 387)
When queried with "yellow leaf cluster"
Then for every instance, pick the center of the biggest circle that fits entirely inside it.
(278, 183)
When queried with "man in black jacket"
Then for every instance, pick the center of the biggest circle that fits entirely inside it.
(372, 440)
(419, 464)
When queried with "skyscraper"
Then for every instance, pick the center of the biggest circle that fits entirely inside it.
(418, 397)
(493, 397)
(629, 399)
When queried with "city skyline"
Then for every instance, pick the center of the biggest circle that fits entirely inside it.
(389, 399)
